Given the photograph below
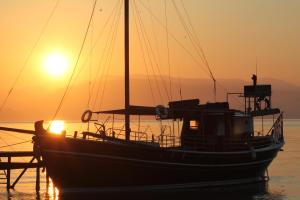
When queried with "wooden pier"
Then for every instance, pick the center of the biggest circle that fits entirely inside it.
(7, 165)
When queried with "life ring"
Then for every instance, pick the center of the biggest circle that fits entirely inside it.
(86, 116)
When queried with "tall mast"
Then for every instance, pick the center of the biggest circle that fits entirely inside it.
(127, 100)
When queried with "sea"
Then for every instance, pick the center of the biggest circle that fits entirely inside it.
(284, 173)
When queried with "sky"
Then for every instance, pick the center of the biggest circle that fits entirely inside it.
(237, 37)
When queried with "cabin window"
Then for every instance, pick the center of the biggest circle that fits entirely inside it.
(194, 124)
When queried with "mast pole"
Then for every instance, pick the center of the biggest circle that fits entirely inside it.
(127, 99)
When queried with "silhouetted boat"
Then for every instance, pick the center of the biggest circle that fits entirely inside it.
(217, 145)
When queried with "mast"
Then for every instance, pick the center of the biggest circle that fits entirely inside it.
(127, 100)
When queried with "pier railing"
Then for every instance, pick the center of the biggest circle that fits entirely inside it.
(7, 164)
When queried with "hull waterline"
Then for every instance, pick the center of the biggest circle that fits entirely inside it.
(141, 166)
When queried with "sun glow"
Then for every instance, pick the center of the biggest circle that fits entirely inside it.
(57, 126)
(56, 64)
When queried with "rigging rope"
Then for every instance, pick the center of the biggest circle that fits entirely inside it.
(107, 45)
(168, 49)
(94, 46)
(90, 65)
(154, 33)
(100, 34)
(147, 50)
(203, 54)
(181, 45)
(76, 64)
(174, 38)
(10, 145)
(150, 49)
(108, 50)
(13, 135)
(195, 42)
(143, 54)
(109, 57)
(28, 57)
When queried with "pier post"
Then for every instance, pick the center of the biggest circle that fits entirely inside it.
(8, 173)
(37, 183)
(22, 173)
(47, 180)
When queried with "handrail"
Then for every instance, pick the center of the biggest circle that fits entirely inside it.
(138, 135)
(279, 118)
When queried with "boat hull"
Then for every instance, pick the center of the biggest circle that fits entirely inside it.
(76, 163)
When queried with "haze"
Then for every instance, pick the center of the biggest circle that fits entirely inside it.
(238, 38)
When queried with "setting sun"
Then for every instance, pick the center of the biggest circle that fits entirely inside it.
(56, 64)
(57, 126)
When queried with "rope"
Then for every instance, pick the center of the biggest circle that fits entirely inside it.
(200, 54)
(147, 51)
(12, 135)
(200, 47)
(154, 34)
(90, 65)
(76, 64)
(193, 32)
(143, 54)
(109, 48)
(168, 48)
(94, 46)
(174, 38)
(109, 58)
(115, 12)
(28, 57)
(9, 145)
(150, 50)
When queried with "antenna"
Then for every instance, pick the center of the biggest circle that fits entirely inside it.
(215, 90)
(256, 65)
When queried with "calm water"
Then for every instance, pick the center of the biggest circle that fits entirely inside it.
(284, 175)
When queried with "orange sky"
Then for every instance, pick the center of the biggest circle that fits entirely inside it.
(233, 33)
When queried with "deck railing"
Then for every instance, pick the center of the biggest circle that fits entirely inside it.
(276, 131)
(168, 139)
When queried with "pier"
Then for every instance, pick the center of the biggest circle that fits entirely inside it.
(7, 164)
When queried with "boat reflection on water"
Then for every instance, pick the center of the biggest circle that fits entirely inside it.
(240, 192)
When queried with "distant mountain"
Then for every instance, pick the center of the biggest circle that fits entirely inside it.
(285, 96)
(41, 103)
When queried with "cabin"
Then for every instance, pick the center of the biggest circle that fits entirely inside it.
(216, 127)
(210, 126)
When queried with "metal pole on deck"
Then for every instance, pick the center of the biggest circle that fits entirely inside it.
(127, 93)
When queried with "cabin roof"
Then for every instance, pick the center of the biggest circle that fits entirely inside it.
(176, 110)
(134, 110)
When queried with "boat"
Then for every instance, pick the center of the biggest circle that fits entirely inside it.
(217, 144)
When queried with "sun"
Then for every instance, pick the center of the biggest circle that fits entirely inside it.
(56, 64)
(57, 126)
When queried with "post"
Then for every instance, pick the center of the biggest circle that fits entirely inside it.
(262, 125)
(127, 93)
(75, 134)
(8, 173)
(37, 183)
(246, 112)
(139, 124)
(47, 180)
(22, 173)
(113, 123)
